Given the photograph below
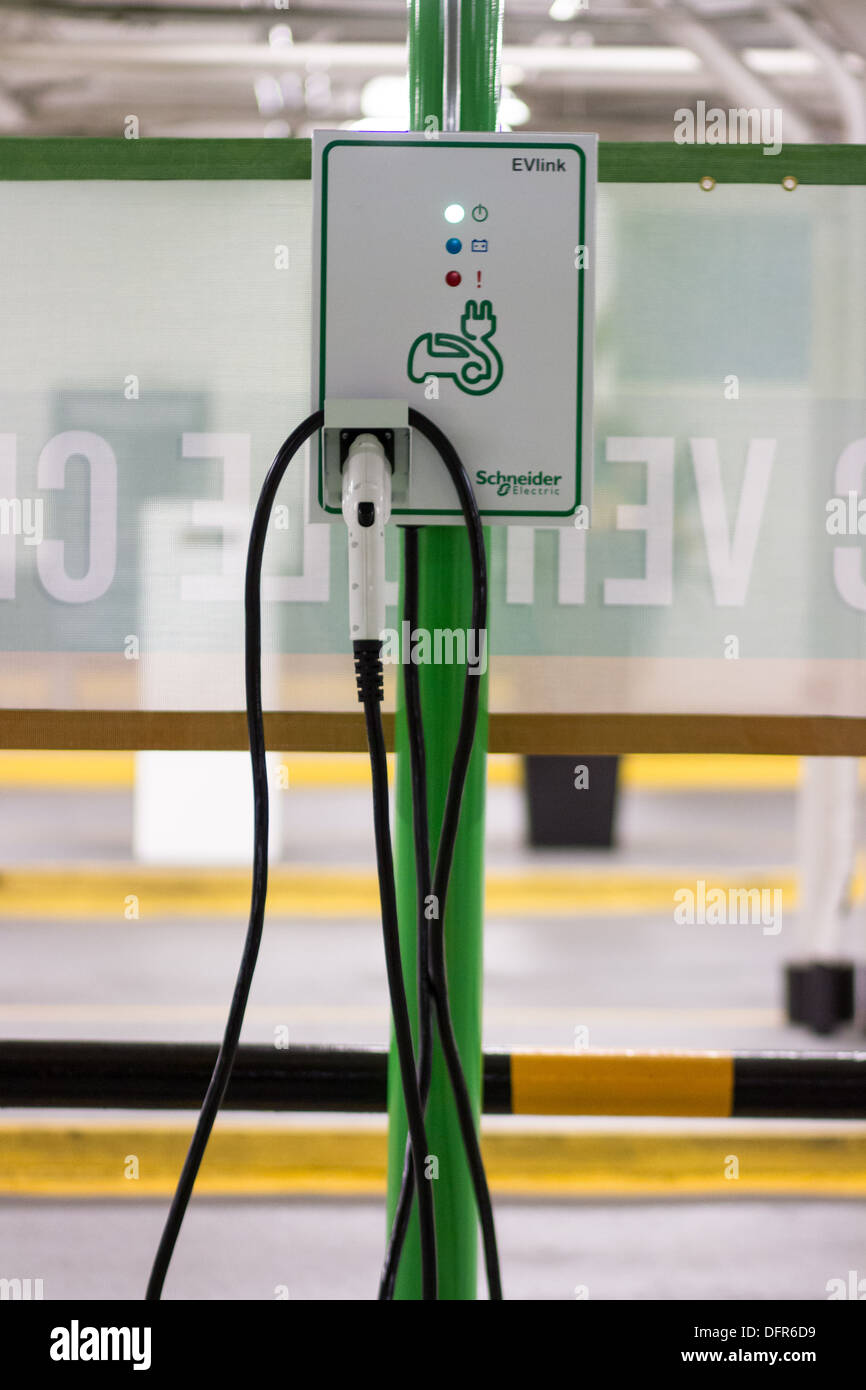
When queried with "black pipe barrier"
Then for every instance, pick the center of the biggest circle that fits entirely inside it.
(174, 1076)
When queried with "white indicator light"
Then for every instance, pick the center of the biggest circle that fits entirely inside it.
(454, 213)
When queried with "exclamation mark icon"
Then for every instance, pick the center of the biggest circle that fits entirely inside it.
(478, 278)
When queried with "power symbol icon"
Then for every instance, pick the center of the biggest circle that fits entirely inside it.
(480, 213)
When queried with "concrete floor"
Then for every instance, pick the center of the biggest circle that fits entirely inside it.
(333, 1249)
(633, 982)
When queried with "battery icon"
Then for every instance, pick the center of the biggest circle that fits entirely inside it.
(479, 243)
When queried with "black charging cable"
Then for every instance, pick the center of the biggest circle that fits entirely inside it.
(431, 934)
(369, 676)
(369, 685)
(423, 885)
(368, 671)
(368, 668)
(255, 724)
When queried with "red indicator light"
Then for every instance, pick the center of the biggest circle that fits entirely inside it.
(453, 277)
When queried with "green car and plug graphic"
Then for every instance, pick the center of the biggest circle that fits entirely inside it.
(469, 358)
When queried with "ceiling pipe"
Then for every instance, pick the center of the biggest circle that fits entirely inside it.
(846, 85)
(383, 57)
(744, 87)
(13, 116)
(664, 63)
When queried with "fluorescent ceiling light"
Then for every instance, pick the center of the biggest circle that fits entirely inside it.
(567, 9)
(655, 58)
(279, 35)
(780, 61)
(512, 111)
(317, 90)
(269, 94)
(376, 123)
(387, 95)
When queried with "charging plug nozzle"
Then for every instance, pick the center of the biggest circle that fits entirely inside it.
(366, 509)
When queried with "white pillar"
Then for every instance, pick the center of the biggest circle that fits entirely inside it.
(826, 835)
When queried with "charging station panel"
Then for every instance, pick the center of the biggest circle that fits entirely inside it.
(455, 274)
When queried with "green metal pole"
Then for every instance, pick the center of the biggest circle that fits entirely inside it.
(445, 591)
(480, 51)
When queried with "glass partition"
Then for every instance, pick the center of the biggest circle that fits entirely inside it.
(154, 351)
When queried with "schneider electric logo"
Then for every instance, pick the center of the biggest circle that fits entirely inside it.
(520, 484)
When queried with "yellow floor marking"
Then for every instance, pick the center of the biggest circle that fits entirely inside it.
(94, 1160)
(92, 770)
(358, 1015)
(132, 893)
(644, 771)
(709, 772)
(69, 771)
(353, 770)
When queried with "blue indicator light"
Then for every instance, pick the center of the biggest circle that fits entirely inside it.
(454, 244)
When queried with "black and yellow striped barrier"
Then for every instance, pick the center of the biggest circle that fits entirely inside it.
(174, 1076)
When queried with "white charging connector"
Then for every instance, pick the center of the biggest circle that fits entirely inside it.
(366, 509)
